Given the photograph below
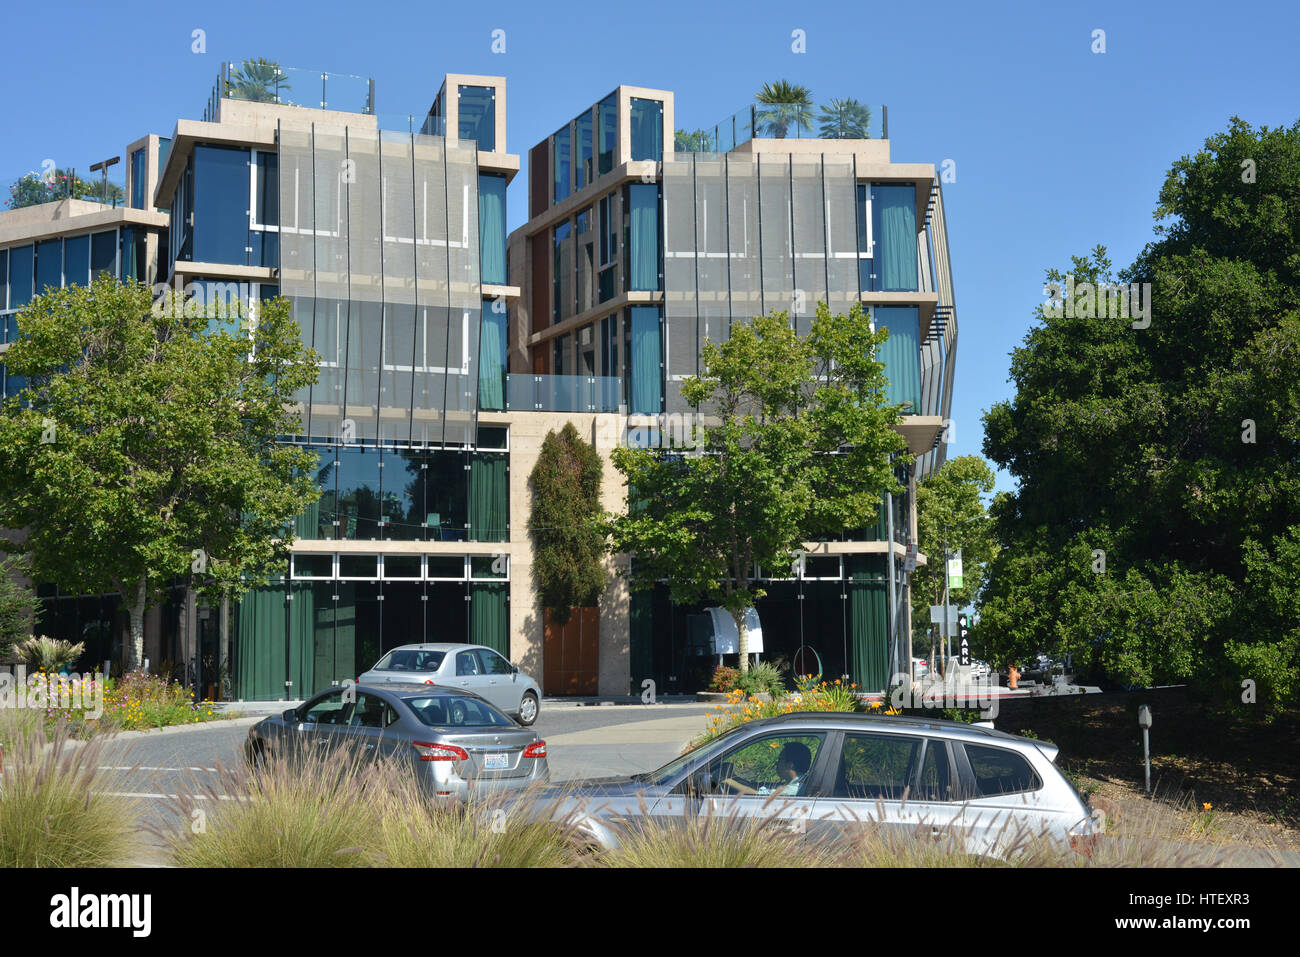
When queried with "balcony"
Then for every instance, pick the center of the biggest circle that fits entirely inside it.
(51, 184)
(526, 392)
(265, 81)
(836, 119)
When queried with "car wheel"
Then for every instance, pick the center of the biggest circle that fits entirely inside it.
(528, 709)
(255, 755)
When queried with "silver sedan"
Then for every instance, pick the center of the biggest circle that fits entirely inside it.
(455, 742)
(473, 668)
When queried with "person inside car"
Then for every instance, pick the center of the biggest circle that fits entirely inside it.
(791, 767)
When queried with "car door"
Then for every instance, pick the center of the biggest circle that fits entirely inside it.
(1004, 807)
(747, 781)
(469, 672)
(318, 719)
(870, 786)
(500, 687)
(362, 731)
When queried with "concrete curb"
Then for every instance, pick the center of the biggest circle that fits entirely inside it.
(241, 721)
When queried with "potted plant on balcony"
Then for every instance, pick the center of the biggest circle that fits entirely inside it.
(788, 108)
(845, 120)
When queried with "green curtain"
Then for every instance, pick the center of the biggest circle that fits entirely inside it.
(901, 353)
(492, 361)
(345, 630)
(868, 621)
(643, 236)
(492, 228)
(647, 383)
(489, 616)
(260, 639)
(489, 504)
(894, 212)
(641, 651)
(322, 636)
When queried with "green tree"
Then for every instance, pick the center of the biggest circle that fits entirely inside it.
(17, 607)
(260, 80)
(35, 189)
(950, 512)
(697, 141)
(1155, 525)
(568, 540)
(788, 109)
(794, 441)
(845, 119)
(142, 450)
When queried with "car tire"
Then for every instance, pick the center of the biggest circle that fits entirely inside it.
(528, 709)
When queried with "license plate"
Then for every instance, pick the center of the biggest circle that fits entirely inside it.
(496, 762)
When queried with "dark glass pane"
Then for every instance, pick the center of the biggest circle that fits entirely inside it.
(358, 566)
(446, 566)
(647, 117)
(478, 116)
(49, 264)
(998, 771)
(446, 497)
(560, 164)
(492, 227)
(4, 281)
(76, 261)
(21, 263)
(103, 254)
(133, 252)
(220, 205)
(608, 111)
(358, 477)
(268, 189)
(401, 566)
(485, 566)
(585, 171)
(875, 767)
(403, 507)
(137, 179)
(313, 566)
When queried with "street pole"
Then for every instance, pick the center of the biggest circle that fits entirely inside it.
(893, 601)
(946, 628)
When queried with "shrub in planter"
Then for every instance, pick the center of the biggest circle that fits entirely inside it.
(49, 654)
(724, 678)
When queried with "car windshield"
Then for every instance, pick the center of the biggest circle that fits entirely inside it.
(448, 711)
(669, 772)
(410, 659)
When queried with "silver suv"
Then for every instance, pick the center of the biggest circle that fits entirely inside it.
(832, 772)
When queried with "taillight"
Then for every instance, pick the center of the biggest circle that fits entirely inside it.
(428, 751)
(428, 681)
(535, 750)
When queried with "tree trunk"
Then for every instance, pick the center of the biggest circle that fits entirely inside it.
(135, 656)
(743, 631)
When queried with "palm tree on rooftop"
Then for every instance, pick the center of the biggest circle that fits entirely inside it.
(260, 81)
(845, 119)
(788, 107)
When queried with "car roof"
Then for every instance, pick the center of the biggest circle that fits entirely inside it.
(436, 646)
(410, 689)
(972, 732)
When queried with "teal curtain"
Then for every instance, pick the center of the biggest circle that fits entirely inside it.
(643, 237)
(489, 504)
(492, 228)
(901, 353)
(489, 616)
(868, 621)
(894, 215)
(492, 361)
(646, 389)
(260, 637)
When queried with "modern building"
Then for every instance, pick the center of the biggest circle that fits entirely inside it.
(448, 352)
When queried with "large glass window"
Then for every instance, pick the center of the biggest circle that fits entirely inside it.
(608, 230)
(492, 360)
(586, 170)
(608, 113)
(643, 236)
(137, 179)
(644, 357)
(560, 165)
(264, 234)
(893, 227)
(478, 116)
(21, 263)
(4, 280)
(103, 254)
(76, 260)
(49, 264)
(133, 254)
(647, 117)
(492, 227)
(358, 493)
(901, 353)
(560, 273)
(221, 194)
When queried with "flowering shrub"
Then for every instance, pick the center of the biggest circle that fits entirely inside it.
(811, 696)
(724, 678)
(140, 700)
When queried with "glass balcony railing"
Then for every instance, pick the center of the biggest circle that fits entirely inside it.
(836, 119)
(51, 184)
(563, 393)
(265, 81)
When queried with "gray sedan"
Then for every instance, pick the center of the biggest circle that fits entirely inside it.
(455, 742)
(826, 774)
(470, 667)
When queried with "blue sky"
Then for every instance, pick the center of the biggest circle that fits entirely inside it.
(1056, 148)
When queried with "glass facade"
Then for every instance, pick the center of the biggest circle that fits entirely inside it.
(138, 179)
(492, 359)
(893, 231)
(49, 265)
(607, 113)
(220, 204)
(642, 234)
(22, 263)
(492, 227)
(643, 351)
(76, 261)
(584, 169)
(647, 133)
(478, 116)
(560, 164)
(901, 353)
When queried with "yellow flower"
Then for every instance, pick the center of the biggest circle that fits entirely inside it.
(1207, 806)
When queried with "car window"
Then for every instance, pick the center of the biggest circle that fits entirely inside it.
(999, 771)
(410, 659)
(876, 766)
(329, 710)
(935, 783)
(774, 764)
(467, 663)
(367, 713)
(493, 664)
(445, 711)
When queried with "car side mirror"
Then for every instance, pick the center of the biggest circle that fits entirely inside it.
(514, 669)
(290, 716)
(701, 782)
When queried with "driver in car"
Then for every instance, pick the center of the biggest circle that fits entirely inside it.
(791, 766)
